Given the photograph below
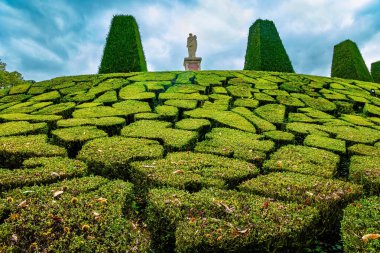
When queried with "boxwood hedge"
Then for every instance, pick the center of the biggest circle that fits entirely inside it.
(365, 170)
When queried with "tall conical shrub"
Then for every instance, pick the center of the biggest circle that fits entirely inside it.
(265, 50)
(123, 51)
(348, 62)
(375, 71)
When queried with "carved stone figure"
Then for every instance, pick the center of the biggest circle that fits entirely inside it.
(192, 45)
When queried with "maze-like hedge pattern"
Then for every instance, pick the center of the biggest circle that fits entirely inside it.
(209, 161)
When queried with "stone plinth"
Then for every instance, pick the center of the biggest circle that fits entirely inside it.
(193, 63)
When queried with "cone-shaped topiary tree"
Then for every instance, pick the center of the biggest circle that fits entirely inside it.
(123, 51)
(348, 62)
(265, 50)
(375, 71)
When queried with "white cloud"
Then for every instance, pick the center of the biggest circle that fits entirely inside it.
(371, 51)
(32, 49)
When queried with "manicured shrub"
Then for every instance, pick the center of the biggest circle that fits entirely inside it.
(365, 170)
(301, 129)
(329, 196)
(112, 125)
(261, 124)
(14, 150)
(136, 91)
(111, 156)
(361, 149)
(357, 120)
(18, 89)
(64, 109)
(273, 113)
(348, 62)
(219, 90)
(289, 101)
(130, 107)
(79, 215)
(191, 171)
(265, 50)
(146, 115)
(315, 113)
(48, 96)
(14, 98)
(172, 139)
(264, 98)
(108, 85)
(240, 91)
(41, 170)
(330, 144)
(299, 117)
(354, 135)
(305, 160)
(98, 111)
(245, 102)
(123, 51)
(371, 110)
(182, 96)
(72, 138)
(280, 136)
(320, 104)
(22, 128)
(360, 225)
(235, 143)
(375, 71)
(223, 118)
(167, 112)
(199, 125)
(215, 220)
(153, 76)
(108, 97)
(30, 118)
(182, 104)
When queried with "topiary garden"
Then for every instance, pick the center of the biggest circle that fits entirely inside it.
(209, 161)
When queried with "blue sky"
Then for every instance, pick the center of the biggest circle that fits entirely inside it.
(43, 39)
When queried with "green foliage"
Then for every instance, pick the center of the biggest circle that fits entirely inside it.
(48, 96)
(22, 128)
(243, 102)
(331, 144)
(375, 71)
(198, 125)
(41, 170)
(9, 78)
(371, 110)
(136, 91)
(320, 104)
(183, 104)
(17, 89)
(280, 136)
(191, 171)
(361, 219)
(260, 123)
(305, 160)
(14, 150)
(123, 51)
(223, 118)
(348, 62)
(215, 220)
(64, 109)
(361, 149)
(329, 196)
(167, 112)
(235, 143)
(173, 139)
(273, 113)
(111, 156)
(365, 170)
(79, 215)
(30, 118)
(265, 50)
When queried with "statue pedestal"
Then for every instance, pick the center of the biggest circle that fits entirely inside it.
(193, 63)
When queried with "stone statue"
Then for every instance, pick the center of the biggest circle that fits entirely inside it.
(192, 45)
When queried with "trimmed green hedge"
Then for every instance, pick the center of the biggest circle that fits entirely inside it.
(361, 149)
(172, 139)
(41, 170)
(72, 138)
(167, 112)
(215, 220)
(305, 160)
(273, 113)
(245, 102)
(112, 125)
(265, 50)
(261, 124)
(365, 170)
(111, 156)
(18, 89)
(224, 118)
(136, 91)
(123, 51)
(182, 104)
(64, 109)
(14, 150)
(48, 96)
(371, 110)
(30, 118)
(330, 144)
(22, 128)
(191, 171)
(235, 143)
(79, 215)
(199, 125)
(360, 220)
(348, 62)
(329, 196)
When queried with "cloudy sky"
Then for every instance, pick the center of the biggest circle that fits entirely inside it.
(43, 39)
